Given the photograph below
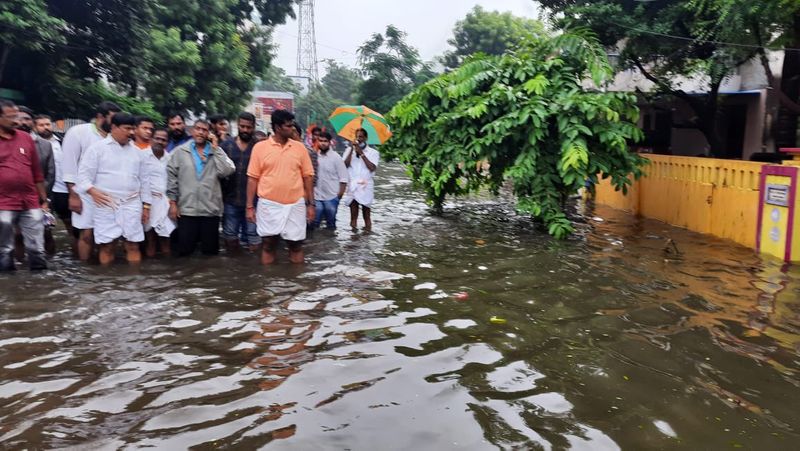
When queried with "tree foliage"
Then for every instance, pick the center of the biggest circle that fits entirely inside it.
(341, 82)
(392, 69)
(489, 32)
(525, 114)
(189, 55)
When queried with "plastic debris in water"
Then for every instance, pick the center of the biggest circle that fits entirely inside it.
(480, 242)
(497, 320)
(461, 296)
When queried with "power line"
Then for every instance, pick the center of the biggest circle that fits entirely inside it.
(705, 41)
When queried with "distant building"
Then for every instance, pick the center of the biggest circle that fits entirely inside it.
(264, 103)
(744, 113)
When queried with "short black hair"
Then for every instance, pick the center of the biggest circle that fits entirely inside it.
(26, 110)
(299, 130)
(216, 118)
(176, 113)
(245, 116)
(280, 117)
(315, 130)
(366, 135)
(326, 135)
(7, 104)
(140, 119)
(161, 129)
(201, 121)
(122, 118)
(105, 107)
(261, 133)
(41, 117)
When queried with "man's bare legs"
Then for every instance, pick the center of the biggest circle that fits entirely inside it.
(132, 252)
(353, 215)
(268, 248)
(367, 218)
(154, 243)
(85, 244)
(107, 253)
(296, 254)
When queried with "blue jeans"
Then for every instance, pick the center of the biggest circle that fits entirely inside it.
(326, 209)
(235, 226)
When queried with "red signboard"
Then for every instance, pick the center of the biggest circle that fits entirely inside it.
(269, 104)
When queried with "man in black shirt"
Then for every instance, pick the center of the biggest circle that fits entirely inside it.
(235, 228)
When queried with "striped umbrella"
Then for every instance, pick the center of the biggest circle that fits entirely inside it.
(347, 119)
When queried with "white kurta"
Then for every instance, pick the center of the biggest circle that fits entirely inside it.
(122, 172)
(159, 210)
(361, 187)
(77, 140)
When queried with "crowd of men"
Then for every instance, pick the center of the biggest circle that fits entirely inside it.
(121, 181)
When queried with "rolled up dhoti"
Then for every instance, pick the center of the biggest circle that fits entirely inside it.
(159, 216)
(123, 220)
(286, 220)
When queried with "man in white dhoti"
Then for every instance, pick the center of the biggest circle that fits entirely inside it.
(76, 142)
(361, 161)
(280, 171)
(160, 227)
(115, 174)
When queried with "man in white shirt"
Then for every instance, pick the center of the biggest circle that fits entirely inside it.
(114, 173)
(331, 182)
(361, 164)
(76, 142)
(160, 227)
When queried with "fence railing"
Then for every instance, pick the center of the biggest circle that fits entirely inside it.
(718, 197)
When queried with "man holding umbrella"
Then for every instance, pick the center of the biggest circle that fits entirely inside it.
(361, 161)
(362, 126)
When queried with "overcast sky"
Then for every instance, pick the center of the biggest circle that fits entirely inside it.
(343, 25)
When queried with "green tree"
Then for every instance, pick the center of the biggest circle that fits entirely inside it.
(522, 118)
(315, 106)
(275, 79)
(27, 25)
(644, 28)
(341, 82)
(489, 32)
(390, 66)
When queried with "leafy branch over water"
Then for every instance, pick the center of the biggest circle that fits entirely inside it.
(531, 117)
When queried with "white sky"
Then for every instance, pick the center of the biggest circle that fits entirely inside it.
(343, 25)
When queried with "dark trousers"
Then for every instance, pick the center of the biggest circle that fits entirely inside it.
(192, 229)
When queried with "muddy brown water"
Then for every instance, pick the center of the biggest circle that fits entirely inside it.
(604, 341)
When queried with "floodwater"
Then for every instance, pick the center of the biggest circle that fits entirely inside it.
(615, 339)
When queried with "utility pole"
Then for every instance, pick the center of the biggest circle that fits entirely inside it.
(307, 42)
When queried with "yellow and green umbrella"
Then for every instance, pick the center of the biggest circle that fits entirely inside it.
(347, 119)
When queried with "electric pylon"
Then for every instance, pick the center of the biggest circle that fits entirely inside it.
(307, 42)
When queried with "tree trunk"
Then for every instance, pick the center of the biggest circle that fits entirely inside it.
(786, 124)
(3, 60)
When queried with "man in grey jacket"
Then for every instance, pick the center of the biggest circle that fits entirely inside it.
(194, 173)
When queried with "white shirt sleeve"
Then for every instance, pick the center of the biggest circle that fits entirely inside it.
(145, 192)
(341, 170)
(87, 171)
(71, 154)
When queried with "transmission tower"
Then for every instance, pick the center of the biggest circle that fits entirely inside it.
(307, 42)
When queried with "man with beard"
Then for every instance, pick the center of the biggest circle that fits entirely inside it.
(143, 132)
(194, 173)
(76, 142)
(22, 194)
(160, 227)
(331, 182)
(59, 197)
(235, 227)
(115, 174)
(43, 147)
(177, 131)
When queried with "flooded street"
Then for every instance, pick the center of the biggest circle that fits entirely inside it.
(611, 340)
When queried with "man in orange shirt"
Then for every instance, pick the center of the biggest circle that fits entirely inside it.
(280, 171)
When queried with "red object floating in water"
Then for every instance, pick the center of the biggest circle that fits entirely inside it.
(462, 296)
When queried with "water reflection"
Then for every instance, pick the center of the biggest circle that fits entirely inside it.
(618, 338)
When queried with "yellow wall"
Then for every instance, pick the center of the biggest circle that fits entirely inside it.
(719, 197)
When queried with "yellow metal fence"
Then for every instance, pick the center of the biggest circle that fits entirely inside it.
(718, 197)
